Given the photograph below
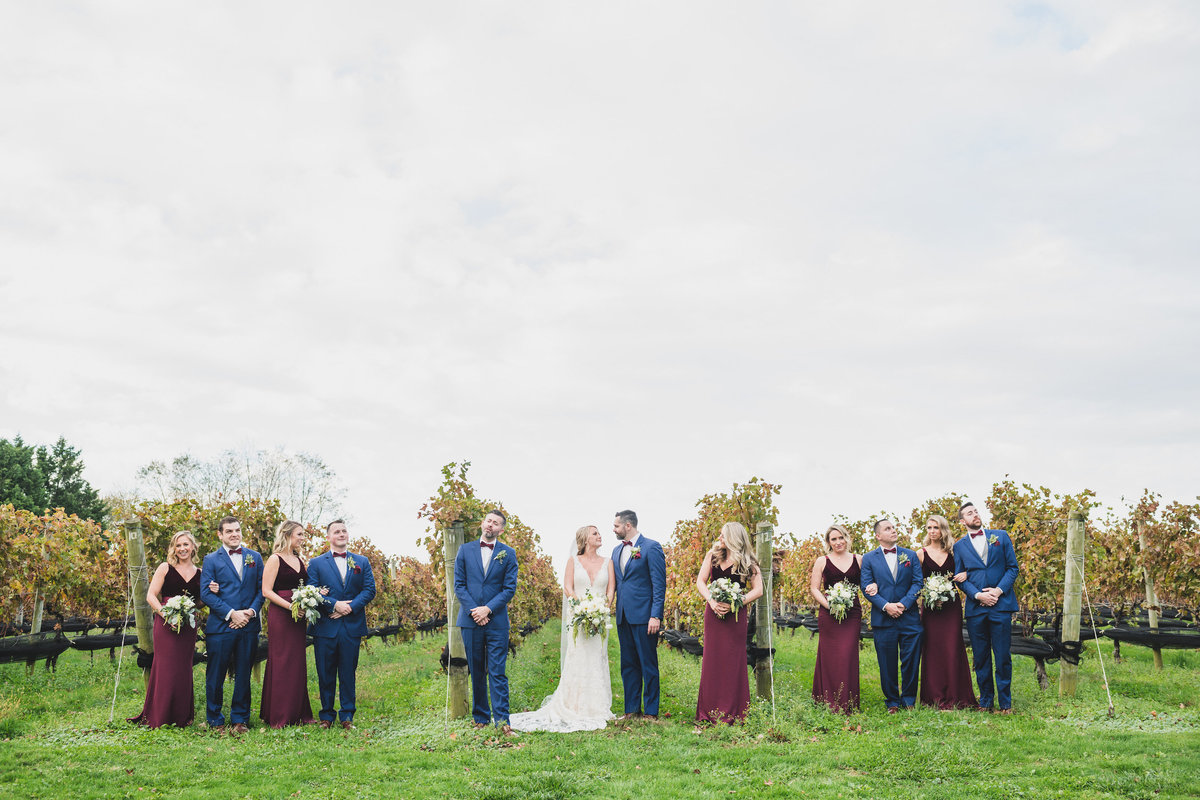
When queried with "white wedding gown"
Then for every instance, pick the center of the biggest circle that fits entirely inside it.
(583, 699)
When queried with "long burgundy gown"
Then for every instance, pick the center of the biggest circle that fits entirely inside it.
(285, 682)
(945, 671)
(170, 697)
(724, 675)
(835, 677)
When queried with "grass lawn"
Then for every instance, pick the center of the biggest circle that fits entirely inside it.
(56, 740)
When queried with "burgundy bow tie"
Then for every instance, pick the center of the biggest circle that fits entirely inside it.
(973, 535)
(626, 544)
(889, 550)
(491, 546)
(339, 555)
(237, 551)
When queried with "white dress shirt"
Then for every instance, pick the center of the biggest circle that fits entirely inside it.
(627, 552)
(893, 563)
(980, 544)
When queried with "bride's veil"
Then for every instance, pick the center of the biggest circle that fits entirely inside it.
(566, 610)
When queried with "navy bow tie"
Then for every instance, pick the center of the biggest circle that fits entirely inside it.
(339, 555)
(237, 551)
(887, 550)
(491, 546)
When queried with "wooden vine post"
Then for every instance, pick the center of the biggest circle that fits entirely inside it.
(135, 546)
(1068, 674)
(457, 664)
(764, 541)
(1151, 595)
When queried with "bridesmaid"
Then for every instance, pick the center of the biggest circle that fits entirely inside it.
(945, 671)
(170, 699)
(835, 678)
(724, 679)
(285, 683)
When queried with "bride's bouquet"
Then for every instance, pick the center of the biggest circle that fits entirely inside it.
(841, 599)
(726, 591)
(589, 613)
(306, 603)
(178, 610)
(937, 590)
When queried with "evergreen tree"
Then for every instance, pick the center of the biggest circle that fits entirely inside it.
(37, 479)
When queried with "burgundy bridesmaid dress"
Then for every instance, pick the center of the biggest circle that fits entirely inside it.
(285, 682)
(724, 675)
(945, 671)
(170, 698)
(835, 677)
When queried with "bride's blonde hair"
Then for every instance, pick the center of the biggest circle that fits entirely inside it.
(737, 547)
(581, 537)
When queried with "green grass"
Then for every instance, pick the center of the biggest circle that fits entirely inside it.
(58, 742)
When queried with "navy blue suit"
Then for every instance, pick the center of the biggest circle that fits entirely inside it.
(223, 644)
(641, 593)
(990, 629)
(486, 645)
(336, 641)
(898, 638)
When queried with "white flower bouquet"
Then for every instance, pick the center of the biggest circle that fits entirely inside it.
(842, 598)
(589, 613)
(179, 610)
(306, 604)
(937, 590)
(726, 591)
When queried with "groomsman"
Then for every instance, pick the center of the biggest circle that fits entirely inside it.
(231, 632)
(485, 580)
(343, 623)
(892, 579)
(641, 572)
(988, 558)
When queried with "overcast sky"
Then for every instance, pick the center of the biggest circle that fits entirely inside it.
(614, 254)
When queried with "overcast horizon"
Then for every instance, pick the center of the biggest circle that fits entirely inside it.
(614, 255)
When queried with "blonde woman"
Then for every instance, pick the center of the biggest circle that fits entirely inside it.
(583, 699)
(170, 699)
(945, 671)
(835, 676)
(285, 682)
(724, 682)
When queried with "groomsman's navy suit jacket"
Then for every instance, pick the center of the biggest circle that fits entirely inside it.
(494, 590)
(904, 588)
(999, 571)
(358, 590)
(233, 593)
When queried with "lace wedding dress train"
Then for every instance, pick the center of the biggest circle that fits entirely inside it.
(583, 699)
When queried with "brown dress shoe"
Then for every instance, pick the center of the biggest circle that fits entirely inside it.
(507, 730)
(1005, 711)
(326, 724)
(480, 725)
(630, 717)
(240, 728)
(347, 724)
(650, 717)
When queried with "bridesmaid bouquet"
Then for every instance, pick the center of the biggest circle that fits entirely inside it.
(306, 602)
(590, 613)
(936, 591)
(724, 590)
(841, 599)
(178, 610)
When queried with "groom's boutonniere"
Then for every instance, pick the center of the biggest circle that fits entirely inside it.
(352, 565)
(500, 556)
(903, 559)
(994, 540)
(249, 563)
(636, 552)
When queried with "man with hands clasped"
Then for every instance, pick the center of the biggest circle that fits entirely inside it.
(338, 633)
(990, 563)
(891, 580)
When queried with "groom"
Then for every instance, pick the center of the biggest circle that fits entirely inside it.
(641, 573)
(343, 623)
(485, 580)
(231, 631)
(895, 573)
(988, 558)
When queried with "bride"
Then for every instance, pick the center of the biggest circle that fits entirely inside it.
(583, 699)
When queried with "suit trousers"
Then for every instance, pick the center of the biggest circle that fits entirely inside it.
(487, 654)
(639, 667)
(337, 660)
(894, 645)
(991, 640)
(234, 647)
